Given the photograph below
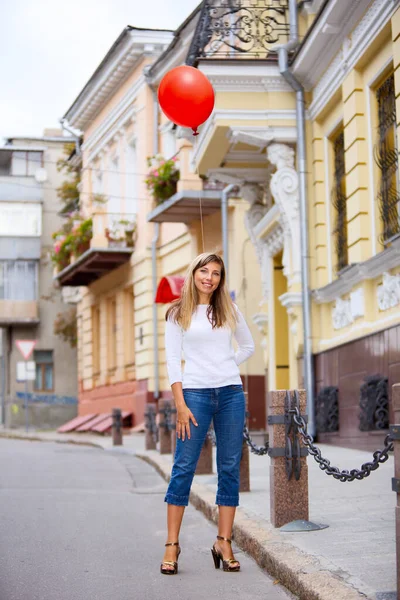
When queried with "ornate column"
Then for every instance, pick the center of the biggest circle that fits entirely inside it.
(253, 193)
(285, 189)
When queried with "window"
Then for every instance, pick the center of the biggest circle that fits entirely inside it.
(129, 327)
(132, 180)
(18, 280)
(112, 334)
(339, 202)
(96, 339)
(386, 157)
(114, 188)
(26, 163)
(44, 381)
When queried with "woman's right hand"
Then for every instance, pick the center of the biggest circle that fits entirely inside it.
(183, 418)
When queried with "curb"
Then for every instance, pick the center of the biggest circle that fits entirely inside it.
(304, 575)
(34, 438)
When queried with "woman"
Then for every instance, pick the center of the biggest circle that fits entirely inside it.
(202, 323)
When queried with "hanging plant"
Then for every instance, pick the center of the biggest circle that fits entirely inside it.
(65, 326)
(162, 178)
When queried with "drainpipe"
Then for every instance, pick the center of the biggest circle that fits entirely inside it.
(154, 242)
(301, 167)
(76, 137)
(224, 215)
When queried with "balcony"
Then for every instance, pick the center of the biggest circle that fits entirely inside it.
(111, 246)
(184, 207)
(22, 189)
(19, 312)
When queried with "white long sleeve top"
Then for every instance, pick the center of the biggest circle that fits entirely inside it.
(210, 359)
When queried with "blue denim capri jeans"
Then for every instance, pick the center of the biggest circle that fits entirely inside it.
(226, 407)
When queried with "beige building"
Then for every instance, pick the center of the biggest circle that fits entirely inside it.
(312, 236)
(29, 302)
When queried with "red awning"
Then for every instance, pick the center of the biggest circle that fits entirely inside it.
(169, 289)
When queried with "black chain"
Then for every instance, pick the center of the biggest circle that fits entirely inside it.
(380, 456)
(260, 450)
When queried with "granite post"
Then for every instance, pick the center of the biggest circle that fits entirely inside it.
(164, 433)
(244, 485)
(204, 465)
(288, 499)
(116, 428)
(396, 444)
(150, 417)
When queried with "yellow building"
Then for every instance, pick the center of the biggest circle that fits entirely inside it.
(326, 222)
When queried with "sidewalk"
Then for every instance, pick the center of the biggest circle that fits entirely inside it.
(353, 558)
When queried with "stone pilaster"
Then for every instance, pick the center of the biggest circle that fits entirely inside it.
(396, 66)
(356, 167)
(319, 206)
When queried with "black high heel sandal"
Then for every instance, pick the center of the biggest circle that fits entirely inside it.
(170, 563)
(227, 563)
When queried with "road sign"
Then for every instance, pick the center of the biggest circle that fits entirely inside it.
(26, 370)
(26, 347)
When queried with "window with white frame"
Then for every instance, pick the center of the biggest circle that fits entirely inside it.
(18, 280)
(131, 178)
(114, 188)
(168, 140)
(26, 163)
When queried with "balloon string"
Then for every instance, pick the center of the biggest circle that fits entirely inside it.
(200, 195)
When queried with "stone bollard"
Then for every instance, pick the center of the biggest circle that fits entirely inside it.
(164, 411)
(151, 426)
(396, 480)
(116, 428)
(288, 498)
(244, 485)
(204, 465)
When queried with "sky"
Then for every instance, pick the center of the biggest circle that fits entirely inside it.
(50, 48)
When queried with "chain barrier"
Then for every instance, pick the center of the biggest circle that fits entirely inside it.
(380, 456)
(260, 450)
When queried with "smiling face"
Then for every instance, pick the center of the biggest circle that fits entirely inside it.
(206, 279)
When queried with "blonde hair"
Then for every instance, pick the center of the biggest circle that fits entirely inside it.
(221, 311)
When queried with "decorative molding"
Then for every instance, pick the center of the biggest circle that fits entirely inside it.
(230, 115)
(388, 293)
(114, 69)
(291, 299)
(246, 78)
(364, 328)
(253, 193)
(341, 314)
(355, 274)
(285, 189)
(357, 306)
(239, 176)
(353, 47)
(122, 111)
(274, 240)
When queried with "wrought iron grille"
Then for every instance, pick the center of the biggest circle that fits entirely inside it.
(339, 203)
(386, 157)
(327, 410)
(239, 29)
(374, 403)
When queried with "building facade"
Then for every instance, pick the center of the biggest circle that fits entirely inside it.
(29, 302)
(345, 57)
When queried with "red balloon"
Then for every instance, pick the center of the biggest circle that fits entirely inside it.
(186, 97)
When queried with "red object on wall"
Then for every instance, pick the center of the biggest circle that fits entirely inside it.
(169, 289)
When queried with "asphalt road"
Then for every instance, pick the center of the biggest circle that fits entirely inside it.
(80, 523)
